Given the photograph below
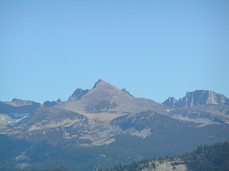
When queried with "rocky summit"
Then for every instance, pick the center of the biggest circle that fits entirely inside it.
(106, 126)
(198, 97)
(106, 98)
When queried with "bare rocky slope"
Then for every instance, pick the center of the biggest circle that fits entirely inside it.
(105, 98)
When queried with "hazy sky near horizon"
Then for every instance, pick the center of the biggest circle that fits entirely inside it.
(153, 48)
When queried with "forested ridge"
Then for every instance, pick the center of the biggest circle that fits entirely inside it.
(205, 158)
(208, 157)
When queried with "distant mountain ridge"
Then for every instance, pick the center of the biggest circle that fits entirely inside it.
(198, 97)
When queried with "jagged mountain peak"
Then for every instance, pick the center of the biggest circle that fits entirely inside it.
(99, 89)
(202, 92)
(104, 91)
(102, 84)
(200, 97)
(77, 94)
(104, 97)
(171, 101)
(197, 97)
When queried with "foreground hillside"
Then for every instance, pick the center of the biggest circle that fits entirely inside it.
(204, 158)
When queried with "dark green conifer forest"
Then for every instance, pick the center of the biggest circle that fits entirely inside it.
(205, 158)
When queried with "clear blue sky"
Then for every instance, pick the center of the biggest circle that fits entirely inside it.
(153, 48)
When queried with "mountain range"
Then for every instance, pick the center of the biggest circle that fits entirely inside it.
(105, 126)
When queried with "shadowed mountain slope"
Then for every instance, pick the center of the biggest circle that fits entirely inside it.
(16, 112)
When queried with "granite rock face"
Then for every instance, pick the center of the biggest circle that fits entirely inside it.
(198, 97)
(171, 101)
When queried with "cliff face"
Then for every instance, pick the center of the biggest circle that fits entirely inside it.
(198, 97)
